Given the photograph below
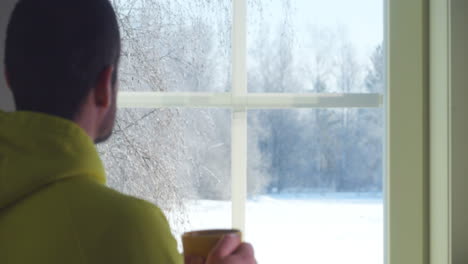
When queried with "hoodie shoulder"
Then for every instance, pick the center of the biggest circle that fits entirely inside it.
(130, 230)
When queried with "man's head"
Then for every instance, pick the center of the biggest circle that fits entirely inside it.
(61, 58)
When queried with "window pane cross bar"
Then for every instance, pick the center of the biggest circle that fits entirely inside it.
(240, 101)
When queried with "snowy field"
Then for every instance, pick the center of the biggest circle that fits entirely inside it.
(311, 229)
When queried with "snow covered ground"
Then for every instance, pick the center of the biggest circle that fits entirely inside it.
(315, 229)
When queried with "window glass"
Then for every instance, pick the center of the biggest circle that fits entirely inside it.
(315, 186)
(316, 46)
(315, 176)
(175, 46)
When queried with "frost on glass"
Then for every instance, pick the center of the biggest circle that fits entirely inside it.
(314, 46)
(175, 45)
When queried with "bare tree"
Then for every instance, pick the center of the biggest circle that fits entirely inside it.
(168, 45)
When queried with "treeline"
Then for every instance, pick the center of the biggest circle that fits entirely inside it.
(322, 150)
(168, 155)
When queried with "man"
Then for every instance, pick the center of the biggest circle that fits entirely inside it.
(61, 62)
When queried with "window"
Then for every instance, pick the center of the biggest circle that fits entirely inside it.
(264, 115)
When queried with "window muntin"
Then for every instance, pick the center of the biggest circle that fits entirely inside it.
(239, 101)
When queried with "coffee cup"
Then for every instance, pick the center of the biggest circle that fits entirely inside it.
(200, 243)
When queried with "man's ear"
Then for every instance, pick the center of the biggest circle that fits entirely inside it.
(103, 89)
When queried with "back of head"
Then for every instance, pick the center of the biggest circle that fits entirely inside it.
(55, 51)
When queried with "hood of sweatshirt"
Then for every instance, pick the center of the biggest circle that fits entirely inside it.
(37, 150)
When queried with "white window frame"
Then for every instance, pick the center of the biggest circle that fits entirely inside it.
(406, 208)
(407, 190)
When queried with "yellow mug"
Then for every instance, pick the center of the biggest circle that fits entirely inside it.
(200, 243)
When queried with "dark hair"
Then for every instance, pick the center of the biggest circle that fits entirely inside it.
(56, 50)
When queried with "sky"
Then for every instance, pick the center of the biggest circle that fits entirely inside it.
(361, 20)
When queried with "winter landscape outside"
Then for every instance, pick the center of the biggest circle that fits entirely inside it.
(315, 176)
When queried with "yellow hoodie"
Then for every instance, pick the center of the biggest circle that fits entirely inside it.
(55, 207)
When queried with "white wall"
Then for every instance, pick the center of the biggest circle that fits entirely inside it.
(6, 101)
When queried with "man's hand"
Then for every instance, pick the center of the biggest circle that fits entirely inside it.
(229, 250)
